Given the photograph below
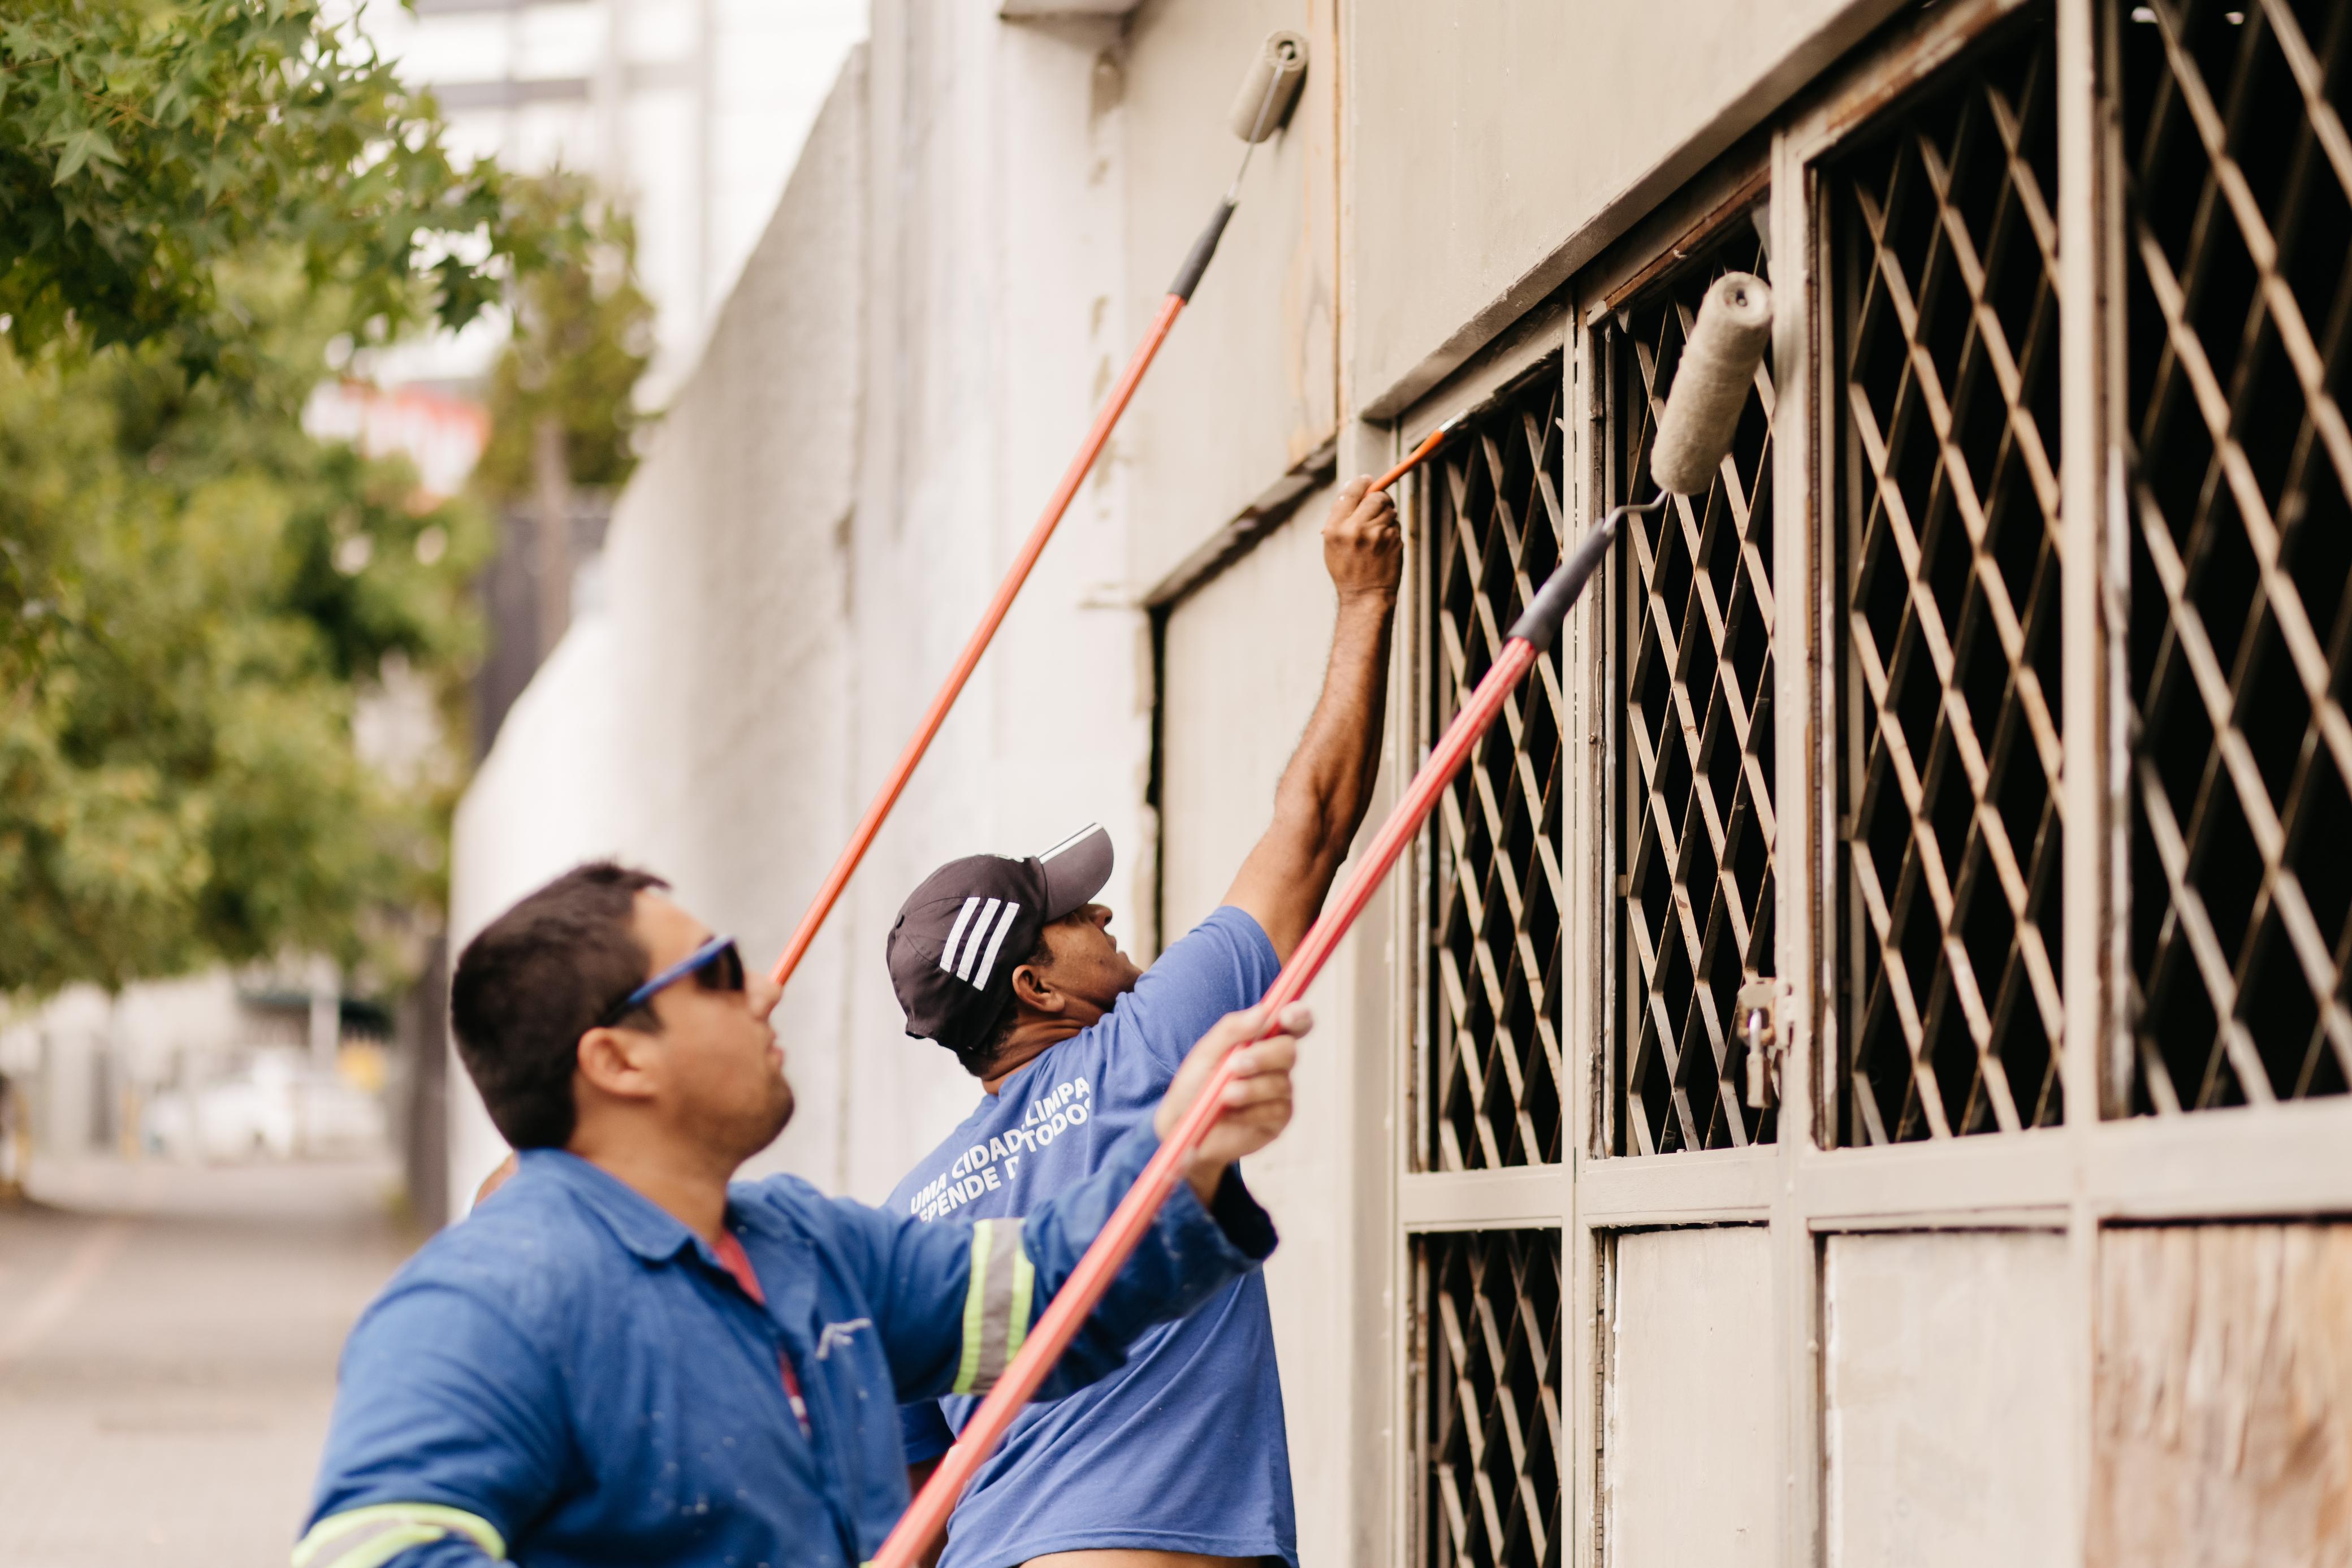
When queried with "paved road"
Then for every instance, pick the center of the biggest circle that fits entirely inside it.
(167, 1355)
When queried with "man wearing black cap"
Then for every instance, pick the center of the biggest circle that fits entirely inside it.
(1180, 1458)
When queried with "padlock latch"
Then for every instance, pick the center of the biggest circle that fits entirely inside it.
(1757, 1015)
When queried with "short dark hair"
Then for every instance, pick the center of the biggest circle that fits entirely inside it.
(978, 1053)
(532, 982)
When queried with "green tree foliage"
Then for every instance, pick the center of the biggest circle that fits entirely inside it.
(194, 595)
(584, 334)
(178, 779)
(144, 143)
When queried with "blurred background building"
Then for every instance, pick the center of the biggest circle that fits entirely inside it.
(690, 113)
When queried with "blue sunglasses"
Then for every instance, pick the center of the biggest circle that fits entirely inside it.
(716, 964)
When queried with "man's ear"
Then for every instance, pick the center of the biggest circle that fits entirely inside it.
(1030, 989)
(613, 1063)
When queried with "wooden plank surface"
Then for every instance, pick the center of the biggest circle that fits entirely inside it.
(2223, 1397)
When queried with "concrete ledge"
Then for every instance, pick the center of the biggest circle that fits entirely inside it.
(1264, 513)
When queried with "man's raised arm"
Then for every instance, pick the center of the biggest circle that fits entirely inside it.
(1320, 801)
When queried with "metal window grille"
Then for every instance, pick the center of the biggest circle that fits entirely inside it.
(1943, 257)
(1696, 822)
(2238, 180)
(1489, 1306)
(1495, 1080)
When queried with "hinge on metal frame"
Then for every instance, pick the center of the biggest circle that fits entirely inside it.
(1758, 1010)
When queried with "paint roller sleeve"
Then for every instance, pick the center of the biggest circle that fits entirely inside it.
(1710, 387)
(1271, 88)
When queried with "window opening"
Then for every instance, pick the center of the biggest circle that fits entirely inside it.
(1495, 1080)
(1489, 1306)
(1696, 823)
(2238, 191)
(1943, 249)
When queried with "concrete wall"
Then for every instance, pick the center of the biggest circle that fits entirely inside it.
(556, 789)
(993, 323)
(1248, 384)
(1496, 148)
(819, 520)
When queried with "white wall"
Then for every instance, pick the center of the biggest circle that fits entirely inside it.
(887, 397)
(992, 329)
(553, 791)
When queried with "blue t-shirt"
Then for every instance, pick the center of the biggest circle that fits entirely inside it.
(1183, 1449)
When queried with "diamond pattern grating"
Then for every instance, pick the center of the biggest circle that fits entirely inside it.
(1489, 1306)
(1944, 260)
(1695, 757)
(2238, 184)
(1496, 1081)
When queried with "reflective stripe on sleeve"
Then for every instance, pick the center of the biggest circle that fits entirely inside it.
(368, 1537)
(995, 1306)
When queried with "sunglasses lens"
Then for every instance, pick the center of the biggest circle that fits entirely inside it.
(724, 972)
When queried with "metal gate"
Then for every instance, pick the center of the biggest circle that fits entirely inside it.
(1879, 1090)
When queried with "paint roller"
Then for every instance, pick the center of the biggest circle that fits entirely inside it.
(1710, 386)
(1271, 89)
(1268, 94)
(1702, 407)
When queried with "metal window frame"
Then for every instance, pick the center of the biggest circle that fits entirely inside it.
(2093, 1170)
(1426, 1355)
(1971, 1020)
(1505, 381)
(1423, 1201)
(2281, 896)
(1733, 217)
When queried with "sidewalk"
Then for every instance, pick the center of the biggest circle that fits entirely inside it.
(168, 1338)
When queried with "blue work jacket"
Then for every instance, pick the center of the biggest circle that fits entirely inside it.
(572, 1377)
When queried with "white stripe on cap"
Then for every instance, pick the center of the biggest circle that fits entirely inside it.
(1089, 831)
(946, 954)
(988, 959)
(971, 948)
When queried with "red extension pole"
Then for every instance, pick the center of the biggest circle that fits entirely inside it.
(1533, 631)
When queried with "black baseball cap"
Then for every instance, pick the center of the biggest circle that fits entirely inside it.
(961, 933)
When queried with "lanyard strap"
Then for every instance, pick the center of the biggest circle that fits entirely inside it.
(739, 1263)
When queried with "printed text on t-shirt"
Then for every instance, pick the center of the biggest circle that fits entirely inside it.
(977, 1169)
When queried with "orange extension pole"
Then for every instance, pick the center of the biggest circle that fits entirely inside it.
(1529, 636)
(862, 838)
(868, 825)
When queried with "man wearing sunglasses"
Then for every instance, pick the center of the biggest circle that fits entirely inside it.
(623, 1358)
(1011, 965)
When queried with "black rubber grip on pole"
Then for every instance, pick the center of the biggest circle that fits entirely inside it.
(1188, 277)
(1540, 621)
